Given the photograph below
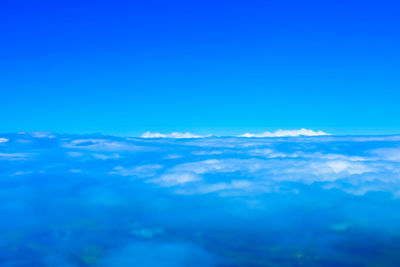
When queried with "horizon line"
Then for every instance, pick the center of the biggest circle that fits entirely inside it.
(280, 133)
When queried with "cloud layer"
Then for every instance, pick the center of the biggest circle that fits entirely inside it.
(277, 133)
(172, 135)
(76, 200)
(287, 133)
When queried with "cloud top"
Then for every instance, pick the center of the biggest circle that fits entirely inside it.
(277, 133)
(171, 135)
(287, 133)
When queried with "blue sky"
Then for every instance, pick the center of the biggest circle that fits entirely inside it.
(222, 67)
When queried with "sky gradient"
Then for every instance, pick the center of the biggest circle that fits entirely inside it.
(210, 67)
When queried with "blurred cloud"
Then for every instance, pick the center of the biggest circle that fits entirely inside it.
(390, 154)
(42, 134)
(139, 171)
(15, 156)
(101, 145)
(287, 133)
(172, 135)
(176, 178)
(106, 156)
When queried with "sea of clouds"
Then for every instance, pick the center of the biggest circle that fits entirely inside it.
(287, 198)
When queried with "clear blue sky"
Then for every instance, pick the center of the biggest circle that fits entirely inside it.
(125, 67)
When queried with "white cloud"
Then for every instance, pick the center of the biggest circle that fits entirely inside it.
(372, 138)
(318, 167)
(390, 154)
(18, 173)
(335, 156)
(269, 153)
(261, 175)
(42, 134)
(228, 142)
(3, 140)
(287, 133)
(208, 165)
(75, 154)
(241, 185)
(14, 156)
(338, 167)
(106, 156)
(278, 133)
(172, 135)
(139, 171)
(215, 166)
(203, 153)
(176, 178)
(23, 141)
(101, 145)
(173, 156)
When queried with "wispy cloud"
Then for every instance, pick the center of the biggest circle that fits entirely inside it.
(101, 145)
(42, 134)
(390, 154)
(277, 133)
(176, 178)
(106, 156)
(3, 140)
(14, 156)
(287, 133)
(139, 171)
(172, 135)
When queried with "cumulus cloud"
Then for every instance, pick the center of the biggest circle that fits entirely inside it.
(262, 175)
(286, 133)
(172, 135)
